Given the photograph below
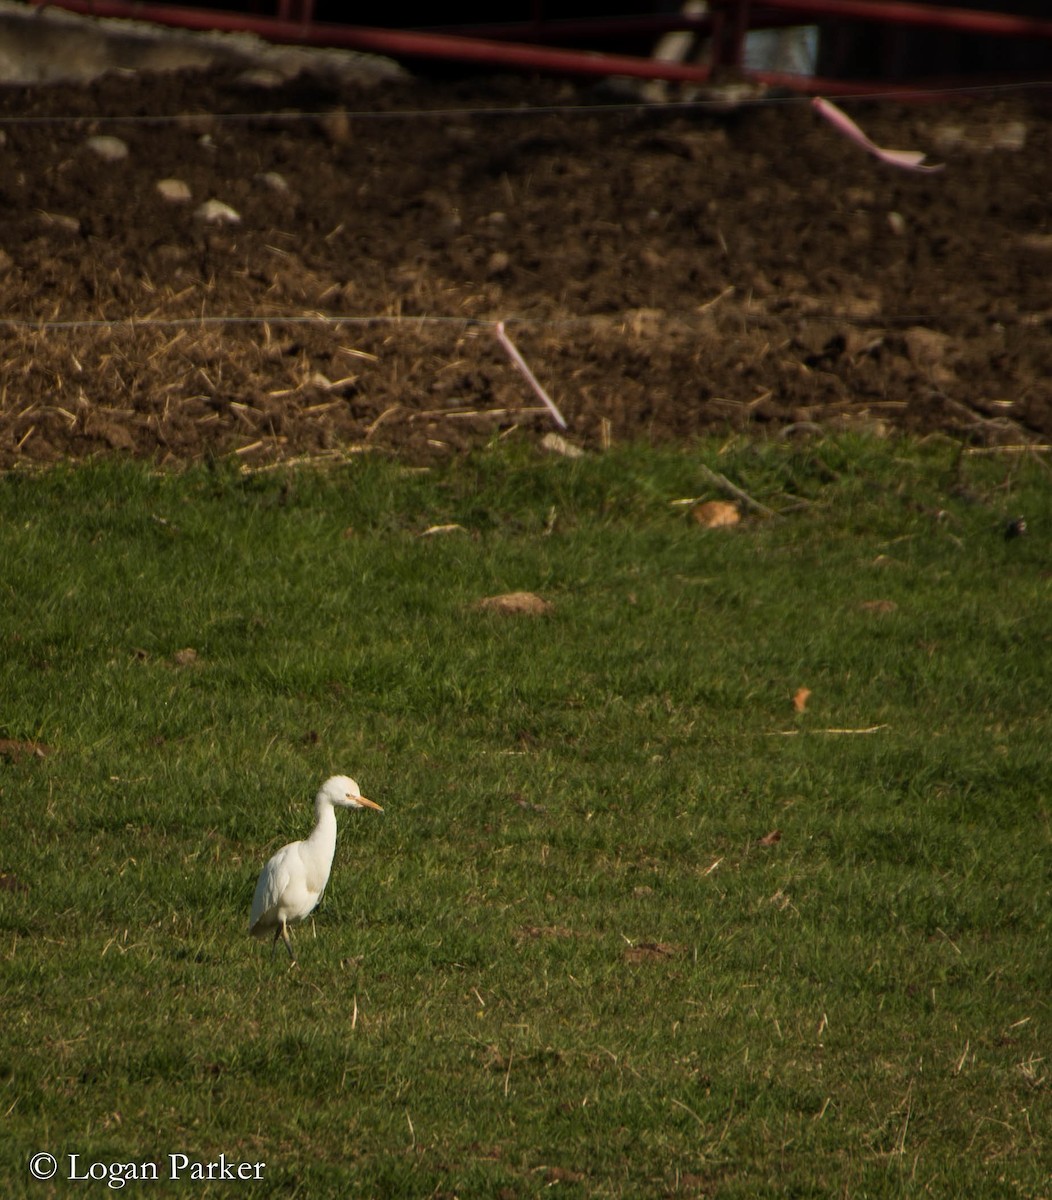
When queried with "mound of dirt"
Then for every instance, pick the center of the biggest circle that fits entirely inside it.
(664, 271)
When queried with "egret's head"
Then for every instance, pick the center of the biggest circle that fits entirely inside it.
(342, 792)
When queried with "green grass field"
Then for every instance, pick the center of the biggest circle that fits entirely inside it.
(562, 961)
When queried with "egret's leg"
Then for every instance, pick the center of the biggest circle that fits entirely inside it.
(287, 940)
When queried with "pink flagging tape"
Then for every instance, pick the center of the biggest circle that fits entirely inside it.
(531, 379)
(908, 160)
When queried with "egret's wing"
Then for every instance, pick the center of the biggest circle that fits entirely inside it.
(273, 880)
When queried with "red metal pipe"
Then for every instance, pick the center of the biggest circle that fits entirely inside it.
(895, 12)
(928, 90)
(399, 43)
(572, 29)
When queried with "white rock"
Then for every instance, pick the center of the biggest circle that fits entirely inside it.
(109, 149)
(173, 190)
(274, 180)
(218, 213)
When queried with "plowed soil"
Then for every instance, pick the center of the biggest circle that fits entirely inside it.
(665, 271)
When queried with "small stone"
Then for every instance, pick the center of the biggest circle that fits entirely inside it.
(949, 137)
(274, 180)
(261, 77)
(215, 212)
(175, 191)
(897, 223)
(108, 148)
(336, 126)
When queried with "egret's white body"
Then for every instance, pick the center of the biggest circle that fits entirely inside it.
(291, 883)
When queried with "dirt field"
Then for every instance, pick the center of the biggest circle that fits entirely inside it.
(664, 272)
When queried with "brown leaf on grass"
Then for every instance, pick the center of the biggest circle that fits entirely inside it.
(11, 883)
(532, 932)
(515, 604)
(705, 1184)
(770, 839)
(183, 658)
(716, 514)
(492, 1153)
(878, 606)
(492, 1059)
(800, 697)
(563, 1175)
(14, 750)
(652, 952)
(527, 805)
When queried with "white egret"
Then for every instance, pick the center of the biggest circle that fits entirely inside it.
(291, 883)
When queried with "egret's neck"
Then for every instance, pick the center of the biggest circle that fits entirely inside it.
(323, 835)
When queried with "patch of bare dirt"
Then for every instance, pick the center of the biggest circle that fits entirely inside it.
(664, 272)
